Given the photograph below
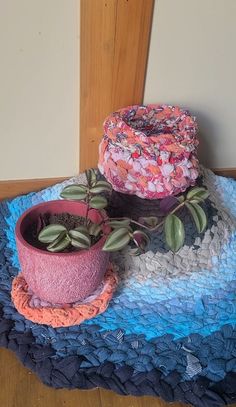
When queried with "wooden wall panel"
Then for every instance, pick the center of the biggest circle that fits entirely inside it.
(9, 189)
(114, 49)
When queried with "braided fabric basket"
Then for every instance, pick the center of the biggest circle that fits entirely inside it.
(149, 151)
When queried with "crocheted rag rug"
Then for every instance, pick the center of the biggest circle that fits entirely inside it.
(169, 330)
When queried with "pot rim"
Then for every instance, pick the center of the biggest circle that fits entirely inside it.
(21, 239)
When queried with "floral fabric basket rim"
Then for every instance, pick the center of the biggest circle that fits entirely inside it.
(119, 118)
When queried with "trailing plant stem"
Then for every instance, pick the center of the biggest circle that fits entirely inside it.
(87, 210)
(150, 229)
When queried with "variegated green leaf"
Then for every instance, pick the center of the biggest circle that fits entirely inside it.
(114, 224)
(198, 215)
(60, 243)
(74, 192)
(141, 240)
(80, 239)
(135, 251)
(49, 233)
(174, 232)
(197, 194)
(98, 202)
(79, 243)
(181, 198)
(101, 186)
(91, 175)
(94, 229)
(117, 240)
(82, 228)
(151, 221)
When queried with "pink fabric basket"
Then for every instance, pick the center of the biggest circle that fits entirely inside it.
(150, 151)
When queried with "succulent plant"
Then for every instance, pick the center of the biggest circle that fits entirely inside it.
(123, 230)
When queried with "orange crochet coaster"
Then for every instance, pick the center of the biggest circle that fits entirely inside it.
(58, 315)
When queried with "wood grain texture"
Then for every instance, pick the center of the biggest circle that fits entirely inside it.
(24, 389)
(114, 49)
(225, 172)
(110, 399)
(9, 189)
(21, 388)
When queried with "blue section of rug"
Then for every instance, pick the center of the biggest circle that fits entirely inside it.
(170, 329)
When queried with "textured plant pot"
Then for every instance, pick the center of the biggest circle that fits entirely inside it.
(60, 277)
(150, 151)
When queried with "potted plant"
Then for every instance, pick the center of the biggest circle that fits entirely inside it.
(64, 245)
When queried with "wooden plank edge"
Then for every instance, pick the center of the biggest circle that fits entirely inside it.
(11, 188)
(225, 172)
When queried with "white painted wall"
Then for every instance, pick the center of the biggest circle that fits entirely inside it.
(192, 62)
(38, 88)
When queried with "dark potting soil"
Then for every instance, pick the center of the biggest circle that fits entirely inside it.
(65, 219)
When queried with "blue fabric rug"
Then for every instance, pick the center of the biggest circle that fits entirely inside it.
(170, 329)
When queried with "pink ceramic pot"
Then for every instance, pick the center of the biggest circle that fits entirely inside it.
(61, 277)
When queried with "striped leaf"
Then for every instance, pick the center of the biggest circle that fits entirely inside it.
(174, 232)
(94, 229)
(198, 215)
(82, 228)
(60, 243)
(181, 198)
(91, 175)
(135, 251)
(74, 192)
(101, 186)
(117, 240)
(98, 202)
(151, 221)
(141, 240)
(80, 239)
(114, 224)
(49, 233)
(197, 194)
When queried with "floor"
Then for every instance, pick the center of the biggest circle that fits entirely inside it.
(21, 388)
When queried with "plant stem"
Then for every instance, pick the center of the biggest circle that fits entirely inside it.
(131, 220)
(87, 210)
(171, 213)
(150, 229)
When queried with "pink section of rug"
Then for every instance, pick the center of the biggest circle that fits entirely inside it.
(56, 315)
